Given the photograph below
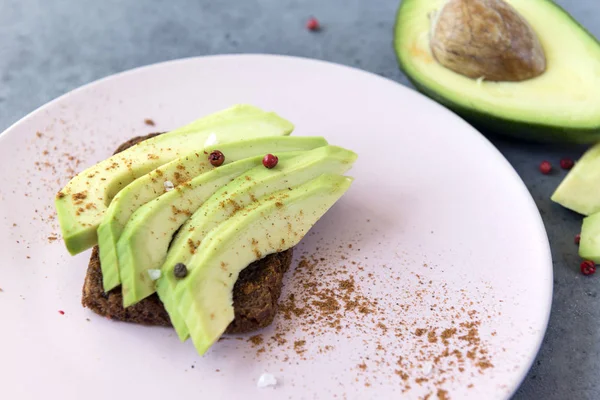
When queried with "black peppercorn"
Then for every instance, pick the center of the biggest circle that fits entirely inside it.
(180, 271)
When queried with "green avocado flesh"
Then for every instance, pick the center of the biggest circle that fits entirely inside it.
(145, 239)
(589, 244)
(81, 204)
(275, 223)
(562, 104)
(579, 189)
(161, 203)
(235, 196)
(178, 172)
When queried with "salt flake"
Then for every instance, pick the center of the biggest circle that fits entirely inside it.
(427, 367)
(154, 274)
(169, 186)
(266, 380)
(211, 140)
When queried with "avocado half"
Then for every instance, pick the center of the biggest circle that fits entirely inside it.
(560, 104)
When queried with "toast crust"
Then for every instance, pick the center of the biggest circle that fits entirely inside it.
(255, 293)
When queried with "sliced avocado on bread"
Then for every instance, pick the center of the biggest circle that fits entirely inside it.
(276, 223)
(212, 234)
(81, 204)
(235, 197)
(143, 245)
(176, 173)
(255, 293)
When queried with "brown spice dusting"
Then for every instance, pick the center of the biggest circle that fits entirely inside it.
(299, 346)
(402, 374)
(177, 211)
(193, 245)
(179, 178)
(382, 326)
(149, 122)
(78, 197)
(431, 337)
(234, 204)
(289, 308)
(484, 364)
(327, 296)
(256, 340)
(328, 304)
(447, 334)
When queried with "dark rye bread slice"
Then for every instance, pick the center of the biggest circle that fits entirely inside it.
(255, 293)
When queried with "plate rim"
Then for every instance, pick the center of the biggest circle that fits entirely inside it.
(232, 57)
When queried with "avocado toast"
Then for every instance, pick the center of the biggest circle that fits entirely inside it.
(199, 237)
(255, 293)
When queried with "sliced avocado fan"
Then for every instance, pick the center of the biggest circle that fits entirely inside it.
(145, 239)
(235, 197)
(161, 203)
(178, 172)
(81, 204)
(273, 224)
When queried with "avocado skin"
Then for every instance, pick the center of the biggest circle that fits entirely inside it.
(498, 125)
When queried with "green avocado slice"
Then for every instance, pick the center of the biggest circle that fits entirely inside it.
(562, 104)
(589, 244)
(145, 239)
(81, 204)
(578, 191)
(178, 171)
(274, 223)
(240, 193)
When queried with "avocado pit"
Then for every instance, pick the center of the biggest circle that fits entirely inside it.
(486, 39)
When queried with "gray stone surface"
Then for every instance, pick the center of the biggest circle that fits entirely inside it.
(50, 47)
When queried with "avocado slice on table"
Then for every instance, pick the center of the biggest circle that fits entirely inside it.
(276, 223)
(144, 242)
(227, 201)
(178, 171)
(578, 191)
(589, 243)
(524, 67)
(81, 204)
